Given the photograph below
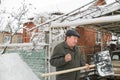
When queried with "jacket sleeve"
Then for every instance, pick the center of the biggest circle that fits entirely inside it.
(58, 57)
(82, 61)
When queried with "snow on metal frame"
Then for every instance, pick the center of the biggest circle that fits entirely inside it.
(96, 11)
(21, 44)
(88, 21)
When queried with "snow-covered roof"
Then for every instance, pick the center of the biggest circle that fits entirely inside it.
(92, 12)
(96, 11)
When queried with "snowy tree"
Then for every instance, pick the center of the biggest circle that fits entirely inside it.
(12, 22)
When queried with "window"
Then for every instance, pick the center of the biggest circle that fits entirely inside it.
(19, 39)
(6, 38)
(98, 37)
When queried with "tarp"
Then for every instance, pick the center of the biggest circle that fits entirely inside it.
(12, 67)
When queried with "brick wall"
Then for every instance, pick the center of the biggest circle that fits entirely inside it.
(26, 35)
(100, 2)
(87, 40)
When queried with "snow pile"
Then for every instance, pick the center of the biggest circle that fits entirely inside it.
(13, 68)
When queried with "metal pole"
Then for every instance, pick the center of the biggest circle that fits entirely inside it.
(101, 41)
(49, 51)
(88, 21)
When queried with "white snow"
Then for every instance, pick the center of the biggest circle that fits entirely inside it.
(88, 21)
(12, 67)
(7, 19)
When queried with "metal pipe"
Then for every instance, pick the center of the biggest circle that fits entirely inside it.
(22, 44)
(79, 22)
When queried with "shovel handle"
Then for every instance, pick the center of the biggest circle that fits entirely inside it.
(66, 71)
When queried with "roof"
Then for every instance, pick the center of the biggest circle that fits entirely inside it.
(92, 12)
(105, 10)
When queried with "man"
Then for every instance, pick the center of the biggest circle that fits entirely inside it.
(66, 55)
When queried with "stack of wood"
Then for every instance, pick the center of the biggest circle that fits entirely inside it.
(116, 67)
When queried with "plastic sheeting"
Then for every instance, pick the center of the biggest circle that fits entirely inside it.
(12, 67)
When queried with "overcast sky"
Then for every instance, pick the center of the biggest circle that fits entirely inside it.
(58, 5)
(48, 5)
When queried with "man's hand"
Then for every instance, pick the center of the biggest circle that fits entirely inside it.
(87, 67)
(68, 57)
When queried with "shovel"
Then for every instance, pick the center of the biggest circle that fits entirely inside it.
(102, 63)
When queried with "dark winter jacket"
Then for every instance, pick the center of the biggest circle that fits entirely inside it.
(58, 60)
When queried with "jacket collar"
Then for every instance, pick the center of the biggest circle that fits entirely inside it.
(67, 47)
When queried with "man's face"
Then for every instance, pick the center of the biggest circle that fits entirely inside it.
(72, 41)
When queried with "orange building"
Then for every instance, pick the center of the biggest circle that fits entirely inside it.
(27, 34)
(4, 37)
(91, 40)
(100, 2)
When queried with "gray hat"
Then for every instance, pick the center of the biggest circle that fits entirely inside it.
(72, 33)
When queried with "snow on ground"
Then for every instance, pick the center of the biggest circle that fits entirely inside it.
(12, 67)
